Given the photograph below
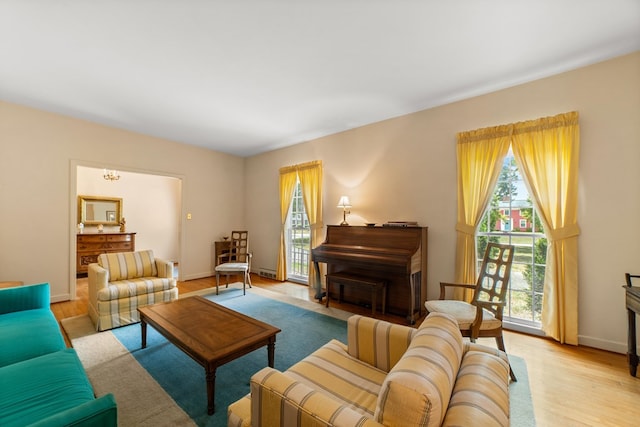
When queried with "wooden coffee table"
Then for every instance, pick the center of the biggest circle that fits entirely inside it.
(209, 333)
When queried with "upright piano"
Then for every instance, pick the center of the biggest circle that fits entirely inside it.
(395, 254)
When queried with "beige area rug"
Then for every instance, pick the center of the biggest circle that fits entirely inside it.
(112, 369)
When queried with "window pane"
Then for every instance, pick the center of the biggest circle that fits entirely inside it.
(511, 219)
(298, 239)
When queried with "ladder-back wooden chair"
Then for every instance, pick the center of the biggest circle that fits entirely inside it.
(482, 317)
(236, 261)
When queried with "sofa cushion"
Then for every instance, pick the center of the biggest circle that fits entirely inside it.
(481, 393)
(279, 400)
(134, 287)
(124, 311)
(340, 375)
(377, 342)
(417, 390)
(28, 334)
(40, 387)
(128, 265)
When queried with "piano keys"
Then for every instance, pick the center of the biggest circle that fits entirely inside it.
(397, 255)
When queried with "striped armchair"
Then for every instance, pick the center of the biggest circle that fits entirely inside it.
(387, 374)
(121, 282)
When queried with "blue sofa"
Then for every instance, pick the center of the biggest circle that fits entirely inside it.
(43, 383)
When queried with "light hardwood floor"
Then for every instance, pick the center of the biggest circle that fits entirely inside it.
(570, 386)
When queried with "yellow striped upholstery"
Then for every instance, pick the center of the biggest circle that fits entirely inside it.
(135, 287)
(114, 300)
(239, 413)
(279, 400)
(481, 394)
(376, 342)
(335, 372)
(118, 303)
(128, 265)
(417, 390)
(472, 346)
(388, 375)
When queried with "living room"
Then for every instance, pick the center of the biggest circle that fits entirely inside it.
(401, 168)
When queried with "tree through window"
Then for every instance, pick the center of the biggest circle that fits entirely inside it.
(298, 241)
(512, 219)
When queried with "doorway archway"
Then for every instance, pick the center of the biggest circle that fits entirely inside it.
(151, 203)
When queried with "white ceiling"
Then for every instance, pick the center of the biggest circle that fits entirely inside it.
(249, 76)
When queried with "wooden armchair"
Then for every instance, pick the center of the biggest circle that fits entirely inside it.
(236, 261)
(482, 317)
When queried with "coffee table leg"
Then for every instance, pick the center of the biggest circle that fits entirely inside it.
(271, 349)
(211, 390)
(143, 329)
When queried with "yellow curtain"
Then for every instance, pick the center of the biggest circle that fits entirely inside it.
(547, 152)
(310, 175)
(480, 154)
(288, 180)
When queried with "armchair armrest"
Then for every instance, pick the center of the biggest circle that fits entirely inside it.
(165, 268)
(223, 256)
(226, 256)
(277, 399)
(22, 298)
(98, 279)
(444, 285)
(377, 342)
(472, 346)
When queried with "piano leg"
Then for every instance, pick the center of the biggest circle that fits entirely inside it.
(415, 309)
(319, 293)
(412, 283)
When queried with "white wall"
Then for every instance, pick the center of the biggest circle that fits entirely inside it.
(399, 169)
(39, 155)
(150, 205)
(405, 169)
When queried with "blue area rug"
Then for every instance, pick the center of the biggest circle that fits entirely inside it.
(303, 332)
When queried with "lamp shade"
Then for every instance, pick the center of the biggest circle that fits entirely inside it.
(344, 202)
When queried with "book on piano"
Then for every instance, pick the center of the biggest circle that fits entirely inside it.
(400, 224)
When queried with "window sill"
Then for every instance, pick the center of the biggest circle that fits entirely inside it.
(523, 328)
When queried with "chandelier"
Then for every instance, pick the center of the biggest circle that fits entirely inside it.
(111, 175)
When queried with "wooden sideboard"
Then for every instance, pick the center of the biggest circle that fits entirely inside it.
(89, 246)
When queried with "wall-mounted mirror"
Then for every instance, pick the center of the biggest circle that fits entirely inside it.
(94, 210)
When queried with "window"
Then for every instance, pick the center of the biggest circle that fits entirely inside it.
(511, 204)
(298, 241)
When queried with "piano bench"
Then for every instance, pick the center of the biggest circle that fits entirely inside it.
(349, 279)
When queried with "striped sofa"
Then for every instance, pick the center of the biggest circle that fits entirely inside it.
(121, 282)
(387, 374)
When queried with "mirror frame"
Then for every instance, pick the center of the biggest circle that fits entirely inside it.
(82, 209)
